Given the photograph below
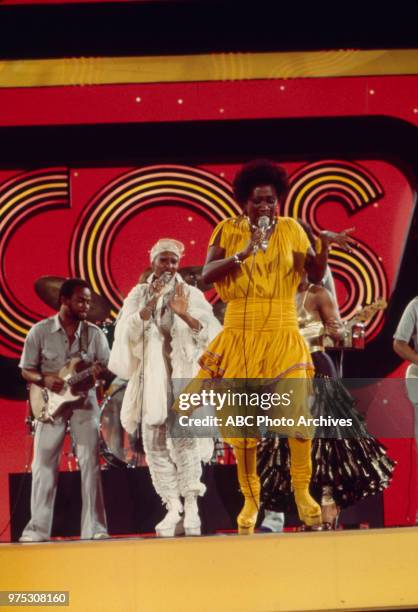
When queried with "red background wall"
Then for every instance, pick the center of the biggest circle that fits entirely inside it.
(50, 235)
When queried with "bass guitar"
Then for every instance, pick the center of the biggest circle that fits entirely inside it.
(78, 377)
(354, 328)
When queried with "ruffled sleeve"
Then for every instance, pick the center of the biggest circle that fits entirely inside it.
(129, 334)
(220, 234)
(201, 310)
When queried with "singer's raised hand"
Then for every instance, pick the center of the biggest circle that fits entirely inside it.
(179, 302)
(343, 239)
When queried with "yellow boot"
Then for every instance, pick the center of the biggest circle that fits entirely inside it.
(245, 451)
(301, 471)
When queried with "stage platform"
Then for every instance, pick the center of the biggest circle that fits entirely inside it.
(343, 570)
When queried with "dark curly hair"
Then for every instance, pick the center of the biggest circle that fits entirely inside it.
(256, 173)
(69, 286)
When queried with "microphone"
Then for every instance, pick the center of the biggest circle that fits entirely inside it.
(165, 278)
(263, 224)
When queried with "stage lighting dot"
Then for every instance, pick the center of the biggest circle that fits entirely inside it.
(222, 174)
(137, 99)
(282, 87)
(180, 101)
(192, 241)
(371, 92)
(75, 173)
(189, 218)
(376, 205)
(221, 110)
(380, 258)
(385, 401)
(415, 111)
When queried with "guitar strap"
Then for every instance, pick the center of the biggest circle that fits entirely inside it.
(84, 339)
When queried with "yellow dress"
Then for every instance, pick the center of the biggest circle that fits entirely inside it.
(261, 306)
(261, 339)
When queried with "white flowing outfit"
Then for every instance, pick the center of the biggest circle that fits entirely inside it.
(139, 354)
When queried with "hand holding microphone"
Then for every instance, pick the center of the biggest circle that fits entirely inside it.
(156, 288)
(263, 225)
(258, 238)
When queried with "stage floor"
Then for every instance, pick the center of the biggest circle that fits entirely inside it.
(343, 570)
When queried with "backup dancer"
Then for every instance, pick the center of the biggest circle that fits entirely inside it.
(348, 463)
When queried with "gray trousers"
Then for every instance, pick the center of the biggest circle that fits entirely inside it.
(49, 439)
(174, 463)
(416, 424)
(411, 382)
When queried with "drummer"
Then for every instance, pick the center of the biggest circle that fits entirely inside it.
(163, 328)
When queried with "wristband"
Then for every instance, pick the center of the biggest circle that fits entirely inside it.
(237, 259)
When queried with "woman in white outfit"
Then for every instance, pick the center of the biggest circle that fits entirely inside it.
(162, 329)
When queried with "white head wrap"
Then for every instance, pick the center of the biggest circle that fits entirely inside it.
(167, 244)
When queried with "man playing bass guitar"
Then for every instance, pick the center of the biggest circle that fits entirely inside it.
(49, 346)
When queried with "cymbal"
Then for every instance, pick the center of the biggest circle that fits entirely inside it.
(48, 288)
(193, 276)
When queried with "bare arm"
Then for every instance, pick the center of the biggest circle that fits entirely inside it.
(316, 263)
(328, 310)
(217, 266)
(404, 351)
(50, 381)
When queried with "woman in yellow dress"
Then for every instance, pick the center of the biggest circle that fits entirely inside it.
(256, 262)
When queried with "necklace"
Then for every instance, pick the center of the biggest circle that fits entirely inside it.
(265, 242)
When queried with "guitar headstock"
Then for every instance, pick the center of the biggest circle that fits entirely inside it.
(368, 311)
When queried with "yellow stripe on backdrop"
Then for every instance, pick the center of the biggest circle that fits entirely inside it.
(206, 67)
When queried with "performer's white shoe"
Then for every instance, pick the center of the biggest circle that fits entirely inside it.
(192, 524)
(172, 523)
(101, 535)
(25, 539)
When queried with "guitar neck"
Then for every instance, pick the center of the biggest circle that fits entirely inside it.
(76, 378)
(368, 311)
